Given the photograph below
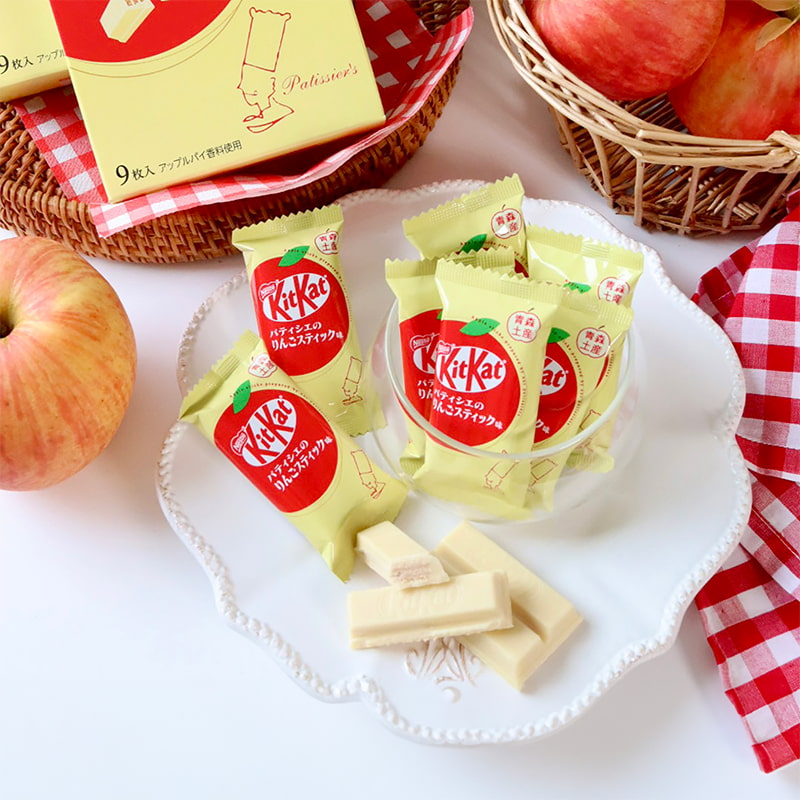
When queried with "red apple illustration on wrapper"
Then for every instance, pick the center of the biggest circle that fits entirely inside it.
(477, 391)
(281, 435)
(302, 311)
(559, 388)
(419, 337)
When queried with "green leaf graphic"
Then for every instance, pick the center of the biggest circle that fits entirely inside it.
(241, 396)
(293, 256)
(578, 287)
(475, 243)
(479, 327)
(557, 335)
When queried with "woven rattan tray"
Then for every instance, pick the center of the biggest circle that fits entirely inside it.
(639, 156)
(32, 203)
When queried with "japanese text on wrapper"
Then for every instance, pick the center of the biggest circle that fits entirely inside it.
(293, 464)
(285, 338)
(458, 407)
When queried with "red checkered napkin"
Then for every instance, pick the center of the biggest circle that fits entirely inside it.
(751, 607)
(408, 63)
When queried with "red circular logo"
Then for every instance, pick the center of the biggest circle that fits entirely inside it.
(142, 28)
(477, 391)
(302, 314)
(559, 392)
(283, 445)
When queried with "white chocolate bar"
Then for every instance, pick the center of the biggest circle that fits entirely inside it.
(536, 603)
(398, 558)
(464, 604)
(542, 618)
(513, 653)
(121, 18)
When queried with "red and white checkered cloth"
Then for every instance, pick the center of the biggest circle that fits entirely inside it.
(408, 63)
(751, 607)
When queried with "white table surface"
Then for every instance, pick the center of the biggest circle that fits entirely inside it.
(119, 680)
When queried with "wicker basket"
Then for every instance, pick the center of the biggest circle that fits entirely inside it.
(32, 203)
(639, 156)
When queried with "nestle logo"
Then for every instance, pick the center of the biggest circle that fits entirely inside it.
(267, 290)
(422, 340)
(238, 442)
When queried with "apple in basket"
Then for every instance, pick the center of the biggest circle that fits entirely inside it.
(628, 49)
(749, 86)
(67, 363)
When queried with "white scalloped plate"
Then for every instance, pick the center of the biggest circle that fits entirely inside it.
(631, 560)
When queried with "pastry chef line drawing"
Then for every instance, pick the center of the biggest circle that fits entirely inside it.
(257, 83)
(262, 50)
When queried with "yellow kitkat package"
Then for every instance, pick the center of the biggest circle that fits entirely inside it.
(305, 465)
(176, 90)
(487, 217)
(489, 362)
(608, 274)
(606, 271)
(303, 311)
(585, 332)
(419, 309)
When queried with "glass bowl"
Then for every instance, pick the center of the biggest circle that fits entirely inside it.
(397, 424)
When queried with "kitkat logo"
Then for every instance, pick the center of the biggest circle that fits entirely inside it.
(301, 310)
(281, 443)
(477, 391)
(423, 352)
(295, 297)
(267, 433)
(555, 376)
(469, 369)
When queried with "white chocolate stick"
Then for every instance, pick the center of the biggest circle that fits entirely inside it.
(543, 618)
(514, 653)
(393, 615)
(536, 603)
(398, 558)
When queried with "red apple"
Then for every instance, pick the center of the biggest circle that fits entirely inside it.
(628, 49)
(741, 91)
(67, 363)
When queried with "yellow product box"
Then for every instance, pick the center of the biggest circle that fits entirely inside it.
(31, 57)
(177, 90)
